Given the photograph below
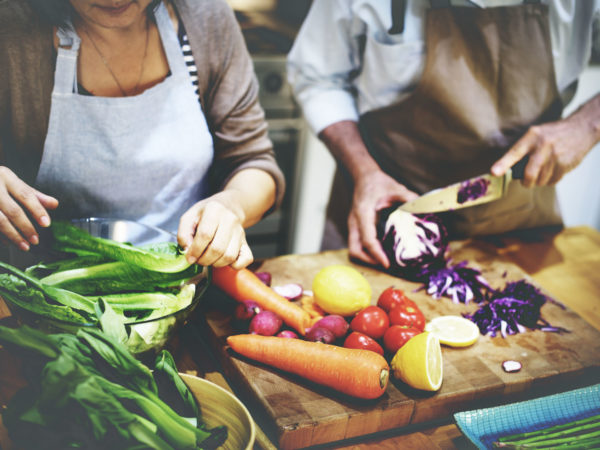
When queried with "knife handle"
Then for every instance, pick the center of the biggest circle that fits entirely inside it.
(518, 170)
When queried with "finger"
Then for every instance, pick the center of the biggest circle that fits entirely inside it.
(203, 237)
(537, 160)
(245, 257)
(546, 173)
(187, 227)
(514, 154)
(16, 219)
(10, 232)
(368, 237)
(47, 201)
(223, 252)
(355, 248)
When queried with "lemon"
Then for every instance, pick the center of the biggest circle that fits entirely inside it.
(455, 331)
(419, 362)
(342, 290)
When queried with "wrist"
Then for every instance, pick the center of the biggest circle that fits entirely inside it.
(233, 200)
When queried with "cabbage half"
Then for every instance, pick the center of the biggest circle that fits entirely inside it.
(415, 245)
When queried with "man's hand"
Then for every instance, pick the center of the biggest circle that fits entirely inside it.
(372, 193)
(554, 148)
(18, 203)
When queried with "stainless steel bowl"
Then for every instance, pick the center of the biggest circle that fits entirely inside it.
(144, 337)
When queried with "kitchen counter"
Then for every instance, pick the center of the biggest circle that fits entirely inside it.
(565, 264)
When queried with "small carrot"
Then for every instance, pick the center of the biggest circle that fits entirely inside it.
(356, 372)
(245, 285)
(307, 302)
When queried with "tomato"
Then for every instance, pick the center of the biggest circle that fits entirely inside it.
(372, 321)
(392, 297)
(397, 335)
(408, 316)
(363, 342)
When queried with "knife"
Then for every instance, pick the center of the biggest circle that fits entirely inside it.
(474, 191)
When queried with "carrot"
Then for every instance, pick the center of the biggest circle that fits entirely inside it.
(307, 302)
(245, 285)
(359, 373)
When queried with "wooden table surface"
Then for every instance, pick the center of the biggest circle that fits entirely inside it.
(566, 264)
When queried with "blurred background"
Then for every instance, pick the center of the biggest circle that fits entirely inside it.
(269, 27)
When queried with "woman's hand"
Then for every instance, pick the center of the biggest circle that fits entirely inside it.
(554, 148)
(212, 231)
(372, 192)
(19, 205)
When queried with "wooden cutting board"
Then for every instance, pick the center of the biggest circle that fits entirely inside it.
(299, 414)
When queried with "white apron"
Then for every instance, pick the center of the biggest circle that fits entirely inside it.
(143, 158)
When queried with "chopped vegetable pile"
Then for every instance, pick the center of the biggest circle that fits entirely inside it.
(512, 310)
(459, 282)
(88, 391)
(417, 247)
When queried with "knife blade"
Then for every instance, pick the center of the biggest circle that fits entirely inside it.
(474, 191)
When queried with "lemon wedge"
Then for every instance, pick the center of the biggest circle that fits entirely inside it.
(419, 362)
(454, 331)
(342, 290)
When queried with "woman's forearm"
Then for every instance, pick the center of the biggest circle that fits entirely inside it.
(251, 193)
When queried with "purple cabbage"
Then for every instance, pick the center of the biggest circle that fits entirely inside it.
(513, 310)
(414, 244)
(471, 190)
(417, 248)
(460, 283)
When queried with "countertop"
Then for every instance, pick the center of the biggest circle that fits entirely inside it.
(566, 264)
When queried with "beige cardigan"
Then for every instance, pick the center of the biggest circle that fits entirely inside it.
(226, 81)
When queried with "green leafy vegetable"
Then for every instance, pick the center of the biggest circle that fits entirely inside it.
(114, 277)
(68, 236)
(30, 294)
(90, 392)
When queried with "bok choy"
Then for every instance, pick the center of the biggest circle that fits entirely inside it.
(87, 391)
(68, 236)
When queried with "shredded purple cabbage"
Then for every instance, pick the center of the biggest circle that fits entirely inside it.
(512, 310)
(460, 283)
(471, 190)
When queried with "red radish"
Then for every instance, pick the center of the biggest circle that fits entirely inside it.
(245, 285)
(359, 373)
(246, 310)
(318, 334)
(265, 277)
(266, 323)
(511, 366)
(335, 323)
(287, 334)
(291, 291)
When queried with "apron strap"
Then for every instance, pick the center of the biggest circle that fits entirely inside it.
(398, 13)
(170, 42)
(65, 73)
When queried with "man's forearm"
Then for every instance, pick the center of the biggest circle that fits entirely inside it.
(345, 143)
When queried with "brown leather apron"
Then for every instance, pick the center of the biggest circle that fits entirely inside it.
(488, 76)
